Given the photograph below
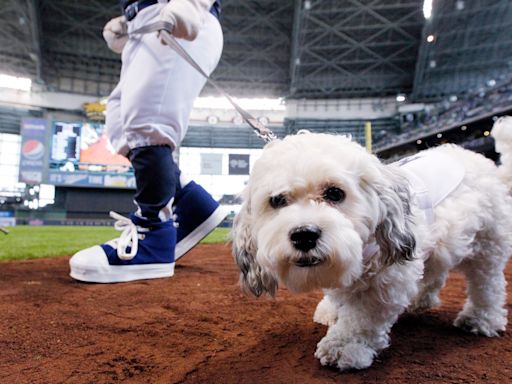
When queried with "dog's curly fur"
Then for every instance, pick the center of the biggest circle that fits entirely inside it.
(330, 186)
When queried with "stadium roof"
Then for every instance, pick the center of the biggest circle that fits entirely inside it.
(286, 48)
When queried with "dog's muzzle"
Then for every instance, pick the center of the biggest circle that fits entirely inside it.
(304, 239)
(308, 261)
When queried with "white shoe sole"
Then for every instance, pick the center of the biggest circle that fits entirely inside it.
(194, 237)
(120, 273)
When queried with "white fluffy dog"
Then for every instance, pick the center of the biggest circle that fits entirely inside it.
(320, 212)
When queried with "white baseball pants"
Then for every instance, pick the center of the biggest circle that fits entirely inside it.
(151, 104)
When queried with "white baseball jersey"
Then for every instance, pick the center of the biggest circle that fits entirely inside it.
(432, 175)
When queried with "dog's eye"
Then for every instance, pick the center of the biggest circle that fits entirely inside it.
(277, 201)
(334, 194)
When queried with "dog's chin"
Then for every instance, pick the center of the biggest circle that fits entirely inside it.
(301, 272)
(300, 279)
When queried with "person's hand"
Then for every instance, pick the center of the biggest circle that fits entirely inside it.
(185, 16)
(115, 34)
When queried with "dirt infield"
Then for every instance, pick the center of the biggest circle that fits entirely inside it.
(198, 328)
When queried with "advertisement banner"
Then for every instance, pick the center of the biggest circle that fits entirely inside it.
(7, 219)
(211, 164)
(33, 149)
(86, 179)
(238, 164)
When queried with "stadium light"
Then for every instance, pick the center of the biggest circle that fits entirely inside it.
(13, 82)
(427, 9)
(430, 38)
(400, 98)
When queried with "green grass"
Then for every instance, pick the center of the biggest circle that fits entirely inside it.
(32, 242)
(220, 235)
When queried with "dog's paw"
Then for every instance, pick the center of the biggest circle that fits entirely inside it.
(425, 302)
(481, 326)
(350, 355)
(326, 312)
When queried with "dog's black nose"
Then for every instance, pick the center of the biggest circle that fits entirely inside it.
(304, 238)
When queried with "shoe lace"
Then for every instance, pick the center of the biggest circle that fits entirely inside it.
(130, 236)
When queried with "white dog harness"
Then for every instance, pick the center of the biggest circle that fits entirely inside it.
(432, 177)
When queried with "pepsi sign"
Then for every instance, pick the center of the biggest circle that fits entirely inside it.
(33, 149)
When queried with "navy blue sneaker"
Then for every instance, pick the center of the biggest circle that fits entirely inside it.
(144, 250)
(196, 214)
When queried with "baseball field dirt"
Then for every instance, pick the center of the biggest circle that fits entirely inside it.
(198, 327)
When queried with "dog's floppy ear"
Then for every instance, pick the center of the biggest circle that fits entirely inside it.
(253, 277)
(394, 233)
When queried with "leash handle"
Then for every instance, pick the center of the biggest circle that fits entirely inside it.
(163, 28)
